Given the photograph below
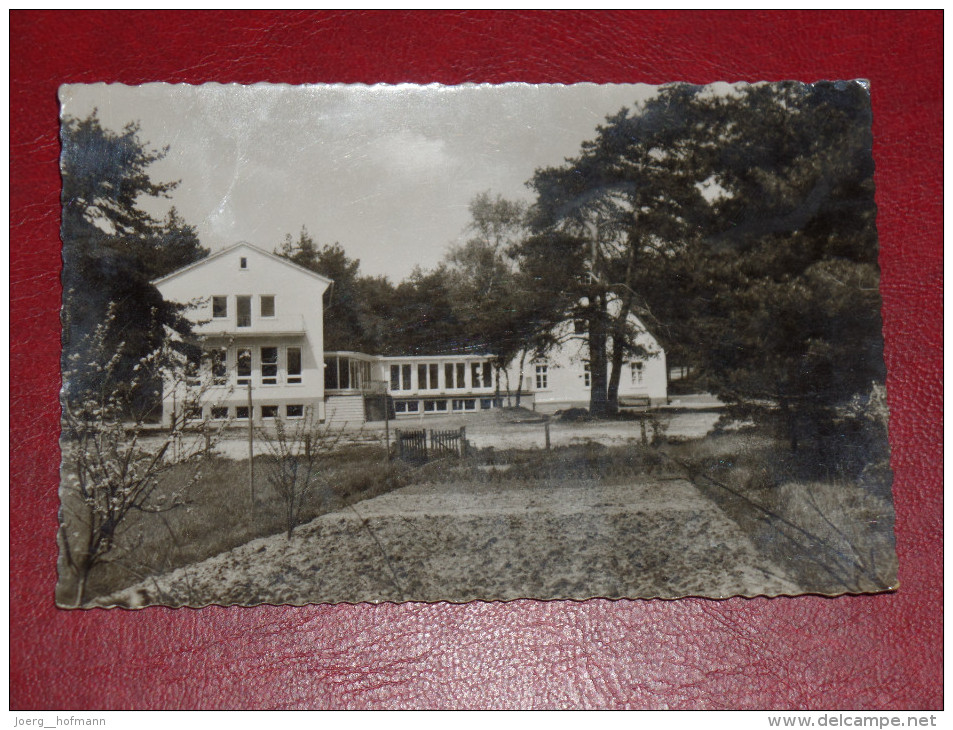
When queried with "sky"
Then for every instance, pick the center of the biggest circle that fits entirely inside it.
(386, 171)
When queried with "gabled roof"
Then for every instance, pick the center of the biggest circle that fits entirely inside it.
(233, 247)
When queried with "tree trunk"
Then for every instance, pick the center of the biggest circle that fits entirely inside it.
(598, 404)
(496, 393)
(615, 374)
(619, 333)
(519, 386)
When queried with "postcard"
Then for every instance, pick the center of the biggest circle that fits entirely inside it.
(341, 343)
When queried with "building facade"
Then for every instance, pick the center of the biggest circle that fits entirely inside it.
(562, 378)
(260, 319)
(261, 322)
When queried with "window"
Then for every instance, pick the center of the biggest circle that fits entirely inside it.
(587, 375)
(413, 406)
(294, 365)
(434, 374)
(219, 357)
(455, 374)
(481, 375)
(435, 406)
(244, 311)
(422, 383)
(267, 305)
(636, 371)
(344, 373)
(193, 365)
(486, 403)
(294, 411)
(542, 377)
(400, 377)
(243, 370)
(219, 413)
(407, 406)
(400, 406)
(219, 306)
(243, 263)
(241, 413)
(269, 366)
(464, 404)
(192, 411)
(269, 411)
(330, 373)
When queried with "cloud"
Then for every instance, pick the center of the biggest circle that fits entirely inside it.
(408, 153)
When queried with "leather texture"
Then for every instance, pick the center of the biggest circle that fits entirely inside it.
(876, 652)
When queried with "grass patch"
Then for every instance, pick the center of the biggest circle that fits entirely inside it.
(586, 462)
(829, 523)
(221, 515)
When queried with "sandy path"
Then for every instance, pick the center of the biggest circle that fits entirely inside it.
(609, 433)
(488, 432)
(464, 542)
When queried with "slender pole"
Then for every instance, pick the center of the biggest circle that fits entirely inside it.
(386, 428)
(547, 436)
(251, 448)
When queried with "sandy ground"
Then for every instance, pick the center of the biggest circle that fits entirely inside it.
(656, 538)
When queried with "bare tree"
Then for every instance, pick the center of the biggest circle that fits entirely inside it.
(295, 461)
(112, 465)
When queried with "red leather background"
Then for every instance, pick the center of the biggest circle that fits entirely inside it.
(808, 652)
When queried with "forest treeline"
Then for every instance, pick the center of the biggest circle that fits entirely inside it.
(737, 224)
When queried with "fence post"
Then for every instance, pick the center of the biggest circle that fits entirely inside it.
(547, 435)
(463, 441)
(251, 447)
(387, 428)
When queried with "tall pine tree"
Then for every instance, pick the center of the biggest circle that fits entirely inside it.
(112, 248)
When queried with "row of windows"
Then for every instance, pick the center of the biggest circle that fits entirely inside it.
(268, 362)
(240, 413)
(542, 374)
(266, 307)
(454, 376)
(346, 372)
(441, 405)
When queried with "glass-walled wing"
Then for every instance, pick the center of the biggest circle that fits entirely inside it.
(347, 372)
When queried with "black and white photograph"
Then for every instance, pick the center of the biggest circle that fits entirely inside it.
(349, 343)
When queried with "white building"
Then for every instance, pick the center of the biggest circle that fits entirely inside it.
(563, 377)
(260, 318)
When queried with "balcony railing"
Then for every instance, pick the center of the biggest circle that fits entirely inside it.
(250, 326)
